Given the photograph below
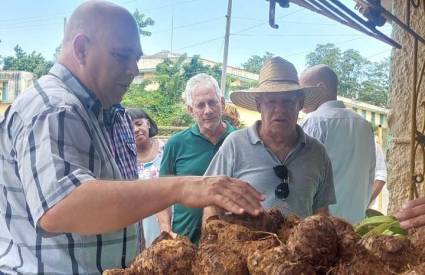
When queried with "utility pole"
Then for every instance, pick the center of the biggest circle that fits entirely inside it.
(226, 46)
(64, 25)
(172, 33)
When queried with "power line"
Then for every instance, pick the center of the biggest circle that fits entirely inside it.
(200, 43)
(297, 35)
(169, 5)
(190, 25)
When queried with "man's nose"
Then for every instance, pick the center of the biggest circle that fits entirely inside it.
(208, 109)
(133, 69)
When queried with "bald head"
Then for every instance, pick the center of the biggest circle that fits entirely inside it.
(92, 18)
(324, 77)
(101, 48)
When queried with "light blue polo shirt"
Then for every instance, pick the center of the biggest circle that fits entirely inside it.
(244, 156)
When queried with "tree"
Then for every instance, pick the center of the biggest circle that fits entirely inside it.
(165, 104)
(143, 22)
(22, 61)
(358, 78)
(255, 62)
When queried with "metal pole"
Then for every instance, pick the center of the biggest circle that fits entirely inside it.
(172, 33)
(64, 25)
(226, 46)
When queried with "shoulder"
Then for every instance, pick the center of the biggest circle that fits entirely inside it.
(237, 136)
(315, 146)
(47, 95)
(177, 138)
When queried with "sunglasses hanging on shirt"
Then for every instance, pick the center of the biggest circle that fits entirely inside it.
(282, 190)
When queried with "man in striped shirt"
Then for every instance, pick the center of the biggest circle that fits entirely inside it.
(64, 204)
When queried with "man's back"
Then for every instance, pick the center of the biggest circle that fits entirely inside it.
(349, 141)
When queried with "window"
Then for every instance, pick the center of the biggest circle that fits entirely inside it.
(381, 119)
(5, 91)
(373, 117)
(364, 113)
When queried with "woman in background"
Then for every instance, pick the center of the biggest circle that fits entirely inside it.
(149, 155)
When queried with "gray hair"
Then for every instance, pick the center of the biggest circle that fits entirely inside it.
(200, 80)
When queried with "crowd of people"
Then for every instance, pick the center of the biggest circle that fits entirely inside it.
(86, 185)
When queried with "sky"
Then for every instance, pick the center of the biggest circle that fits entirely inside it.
(198, 28)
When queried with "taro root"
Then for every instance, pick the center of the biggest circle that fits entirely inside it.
(363, 263)
(248, 248)
(218, 259)
(341, 226)
(417, 237)
(416, 270)
(395, 251)
(269, 221)
(117, 271)
(286, 227)
(347, 239)
(277, 261)
(219, 231)
(315, 240)
(168, 256)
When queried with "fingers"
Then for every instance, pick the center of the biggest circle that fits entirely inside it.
(245, 195)
(414, 203)
(228, 204)
(251, 190)
(238, 193)
(412, 214)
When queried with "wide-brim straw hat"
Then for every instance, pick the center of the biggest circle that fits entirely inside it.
(276, 76)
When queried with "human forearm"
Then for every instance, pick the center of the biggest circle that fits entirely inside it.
(164, 219)
(322, 211)
(101, 206)
(209, 212)
(376, 189)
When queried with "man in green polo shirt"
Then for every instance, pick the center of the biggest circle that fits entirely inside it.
(189, 152)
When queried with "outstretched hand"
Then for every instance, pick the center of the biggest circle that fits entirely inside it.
(228, 193)
(412, 214)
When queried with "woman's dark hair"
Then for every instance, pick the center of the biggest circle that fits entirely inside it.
(138, 114)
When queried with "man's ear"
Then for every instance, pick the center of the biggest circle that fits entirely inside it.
(301, 102)
(222, 102)
(189, 110)
(257, 103)
(80, 46)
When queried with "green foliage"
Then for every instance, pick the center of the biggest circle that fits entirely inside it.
(255, 62)
(358, 78)
(143, 22)
(22, 61)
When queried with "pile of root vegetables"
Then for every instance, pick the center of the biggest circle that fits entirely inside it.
(273, 244)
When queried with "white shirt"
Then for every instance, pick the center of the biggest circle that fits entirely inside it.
(349, 142)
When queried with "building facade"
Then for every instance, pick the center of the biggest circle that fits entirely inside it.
(12, 83)
(400, 118)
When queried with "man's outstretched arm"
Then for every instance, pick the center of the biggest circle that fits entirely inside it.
(97, 207)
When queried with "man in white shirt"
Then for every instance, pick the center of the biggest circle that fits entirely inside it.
(379, 183)
(348, 139)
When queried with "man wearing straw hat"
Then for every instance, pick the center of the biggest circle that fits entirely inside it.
(348, 139)
(274, 155)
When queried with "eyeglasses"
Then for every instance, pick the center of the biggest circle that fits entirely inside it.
(282, 190)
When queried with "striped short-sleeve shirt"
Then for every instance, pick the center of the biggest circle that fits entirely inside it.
(53, 139)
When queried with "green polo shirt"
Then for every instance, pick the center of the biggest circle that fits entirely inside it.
(188, 153)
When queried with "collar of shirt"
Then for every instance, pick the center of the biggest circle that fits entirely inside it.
(195, 130)
(111, 114)
(86, 97)
(254, 137)
(332, 104)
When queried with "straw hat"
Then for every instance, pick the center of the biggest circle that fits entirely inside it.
(276, 76)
